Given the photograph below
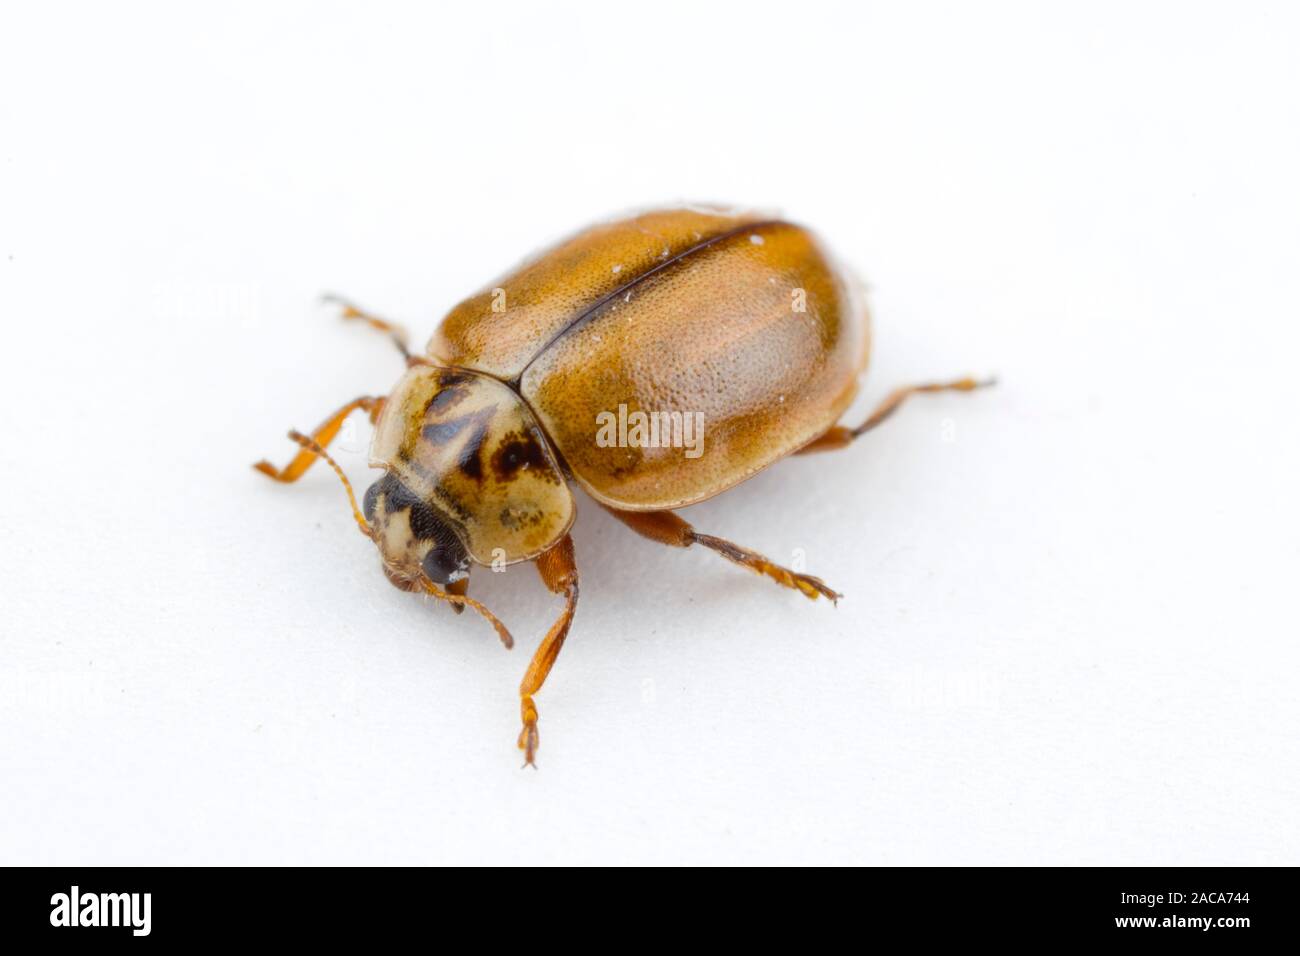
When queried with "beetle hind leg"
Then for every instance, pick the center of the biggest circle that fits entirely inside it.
(668, 528)
(839, 436)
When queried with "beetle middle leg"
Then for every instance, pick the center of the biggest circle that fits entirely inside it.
(838, 436)
(322, 436)
(560, 573)
(667, 527)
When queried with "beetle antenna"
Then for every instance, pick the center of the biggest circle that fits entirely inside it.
(464, 599)
(313, 446)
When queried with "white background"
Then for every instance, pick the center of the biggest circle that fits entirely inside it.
(1070, 632)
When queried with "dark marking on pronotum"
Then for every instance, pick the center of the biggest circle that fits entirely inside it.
(516, 518)
(471, 459)
(471, 456)
(445, 399)
(450, 377)
(516, 452)
(440, 433)
(477, 422)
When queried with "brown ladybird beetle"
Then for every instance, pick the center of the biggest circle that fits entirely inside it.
(576, 367)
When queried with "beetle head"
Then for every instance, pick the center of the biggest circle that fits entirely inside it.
(413, 536)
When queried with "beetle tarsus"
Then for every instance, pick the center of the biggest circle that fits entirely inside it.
(811, 587)
(528, 736)
(806, 584)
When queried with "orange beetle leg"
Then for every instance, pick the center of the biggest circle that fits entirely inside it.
(560, 574)
(322, 436)
(837, 436)
(667, 528)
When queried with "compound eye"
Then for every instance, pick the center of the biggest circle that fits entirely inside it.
(371, 501)
(445, 564)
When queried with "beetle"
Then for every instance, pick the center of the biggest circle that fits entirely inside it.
(736, 320)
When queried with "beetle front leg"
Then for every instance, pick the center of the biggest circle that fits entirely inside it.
(668, 528)
(322, 436)
(838, 436)
(560, 574)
